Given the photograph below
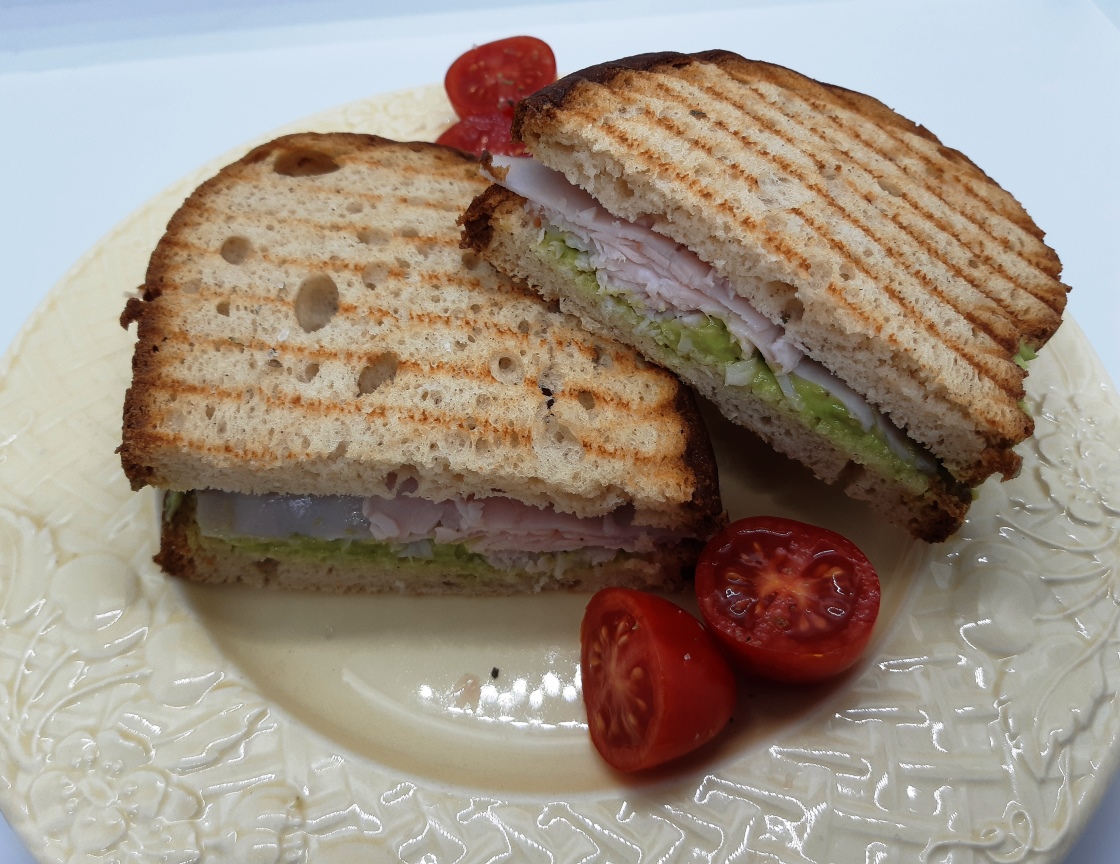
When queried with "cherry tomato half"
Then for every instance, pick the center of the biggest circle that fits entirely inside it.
(787, 600)
(483, 132)
(492, 77)
(654, 681)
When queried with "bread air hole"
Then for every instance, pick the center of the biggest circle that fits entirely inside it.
(309, 372)
(506, 368)
(373, 236)
(374, 274)
(792, 311)
(586, 399)
(381, 371)
(470, 259)
(316, 302)
(223, 308)
(304, 162)
(236, 249)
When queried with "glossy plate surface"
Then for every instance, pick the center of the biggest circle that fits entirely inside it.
(143, 719)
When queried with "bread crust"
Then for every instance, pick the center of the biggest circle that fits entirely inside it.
(222, 397)
(891, 259)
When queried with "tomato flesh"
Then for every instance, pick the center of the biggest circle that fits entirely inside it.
(654, 681)
(788, 601)
(483, 132)
(491, 78)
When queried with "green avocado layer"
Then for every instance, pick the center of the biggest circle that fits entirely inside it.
(705, 339)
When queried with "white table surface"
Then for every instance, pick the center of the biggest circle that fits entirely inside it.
(103, 103)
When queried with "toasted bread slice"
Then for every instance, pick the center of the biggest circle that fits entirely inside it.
(890, 258)
(309, 325)
(503, 229)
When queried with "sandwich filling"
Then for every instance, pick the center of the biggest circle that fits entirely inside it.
(502, 531)
(691, 309)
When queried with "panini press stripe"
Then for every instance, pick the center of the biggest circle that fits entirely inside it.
(990, 204)
(212, 212)
(987, 197)
(288, 350)
(451, 322)
(318, 407)
(299, 263)
(770, 241)
(946, 230)
(996, 198)
(1010, 340)
(1013, 328)
(656, 161)
(1038, 292)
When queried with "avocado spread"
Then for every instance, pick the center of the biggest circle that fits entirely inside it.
(705, 339)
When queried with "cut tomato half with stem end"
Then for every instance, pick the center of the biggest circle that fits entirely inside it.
(491, 78)
(654, 681)
(787, 601)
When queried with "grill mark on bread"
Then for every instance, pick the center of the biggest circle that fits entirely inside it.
(1037, 292)
(772, 241)
(993, 367)
(216, 211)
(988, 194)
(452, 322)
(641, 153)
(1003, 335)
(1001, 330)
(452, 371)
(982, 364)
(310, 407)
(303, 262)
(939, 224)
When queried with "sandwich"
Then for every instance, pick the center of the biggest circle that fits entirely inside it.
(334, 395)
(823, 270)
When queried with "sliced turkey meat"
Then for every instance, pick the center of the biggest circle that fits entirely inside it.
(485, 525)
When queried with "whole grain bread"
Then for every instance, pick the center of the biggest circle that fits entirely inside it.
(501, 227)
(890, 258)
(309, 324)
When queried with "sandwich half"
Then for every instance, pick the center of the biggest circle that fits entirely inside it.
(336, 396)
(825, 271)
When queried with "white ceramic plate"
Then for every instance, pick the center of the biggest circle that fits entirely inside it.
(145, 720)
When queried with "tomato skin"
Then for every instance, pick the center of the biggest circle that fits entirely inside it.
(491, 78)
(483, 132)
(645, 659)
(786, 600)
